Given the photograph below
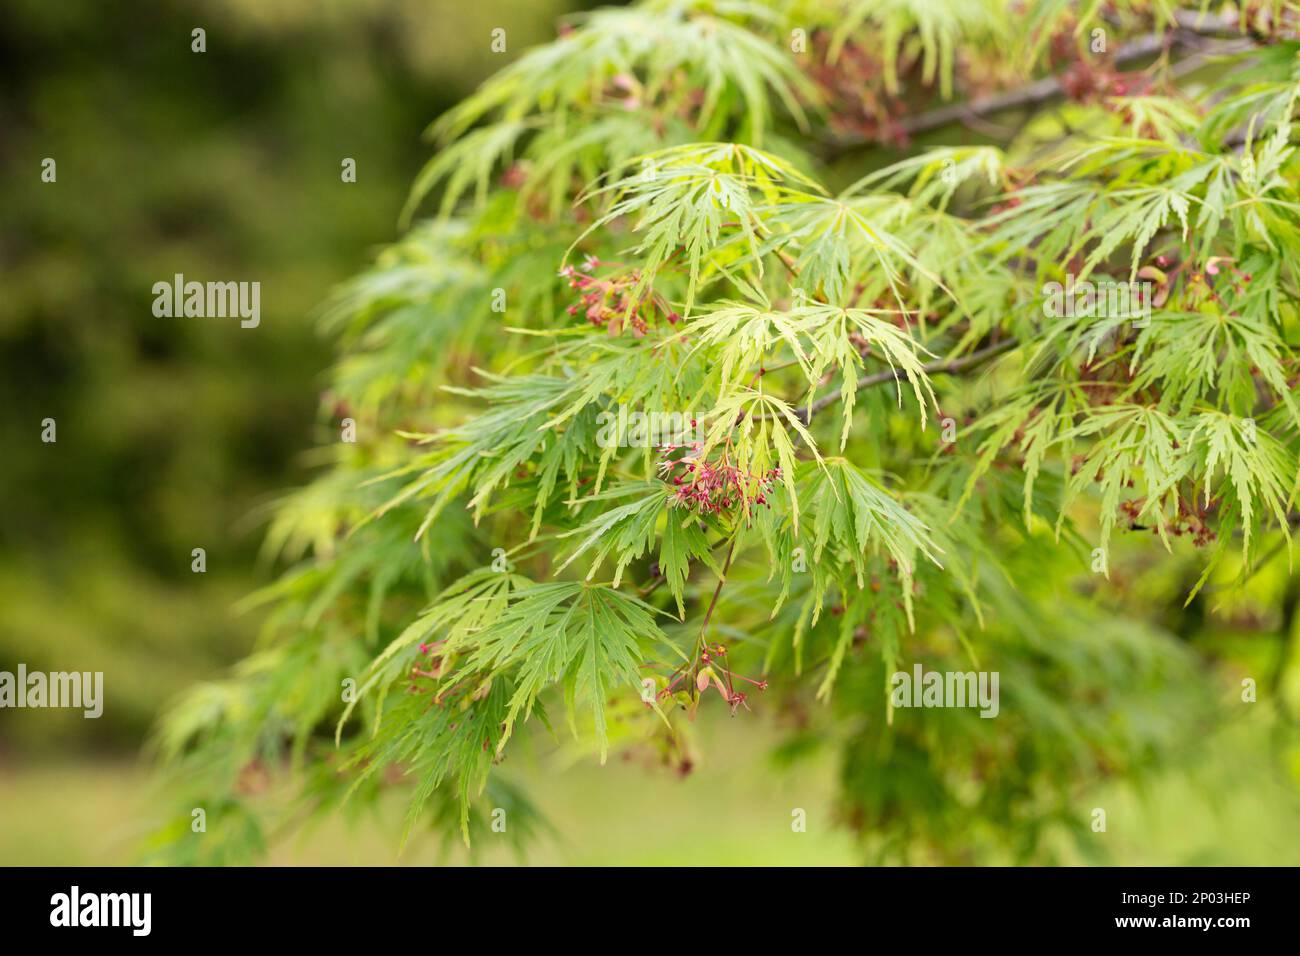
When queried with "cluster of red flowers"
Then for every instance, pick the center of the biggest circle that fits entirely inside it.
(712, 487)
(849, 81)
(1085, 83)
(433, 652)
(608, 302)
(1190, 521)
(710, 671)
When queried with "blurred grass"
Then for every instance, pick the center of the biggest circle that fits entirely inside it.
(1229, 808)
(732, 810)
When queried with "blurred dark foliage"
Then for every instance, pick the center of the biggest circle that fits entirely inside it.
(171, 433)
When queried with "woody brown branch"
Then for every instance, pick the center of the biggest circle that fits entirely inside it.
(1190, 33)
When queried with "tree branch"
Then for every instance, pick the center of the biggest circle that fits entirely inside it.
(939, 367)
(1191, 31)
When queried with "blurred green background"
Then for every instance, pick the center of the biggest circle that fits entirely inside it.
(175, 434)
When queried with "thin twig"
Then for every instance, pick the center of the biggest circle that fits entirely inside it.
(722, 579)
(940, 367)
